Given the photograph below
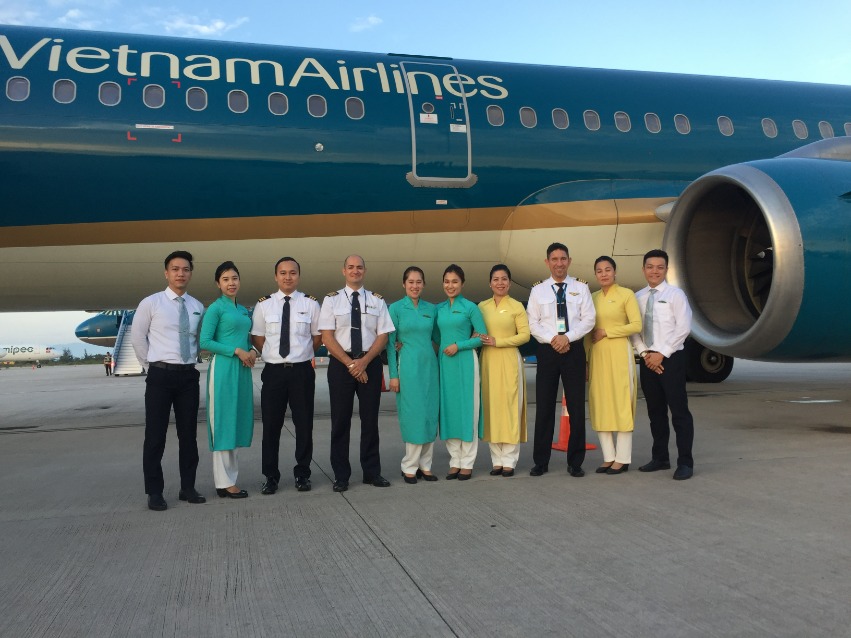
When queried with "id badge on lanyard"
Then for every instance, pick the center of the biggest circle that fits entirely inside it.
(561, 324)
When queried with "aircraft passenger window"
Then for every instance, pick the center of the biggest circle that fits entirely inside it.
(848, 128)
(622, 122)
(109, 93)
(278, 103)
(354, 108)
(528, 117)
(560, 119)
(495, 115)
(652, 122)
(317, 106)
(238, 101)
(725, 125)
(800, 129)
(825, 129)
(64, 91)
(18, 89)
(153, 96)
(592, 120)
(682, 124)
(769, 127)
(196, 98)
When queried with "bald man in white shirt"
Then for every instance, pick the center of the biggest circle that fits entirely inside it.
(660, 344)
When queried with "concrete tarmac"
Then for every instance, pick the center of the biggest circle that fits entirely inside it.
(756, 544)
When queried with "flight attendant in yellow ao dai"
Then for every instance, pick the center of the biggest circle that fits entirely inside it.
(503, 373)
(613, 385)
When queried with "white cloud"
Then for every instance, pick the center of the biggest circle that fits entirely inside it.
(194, 27)
(17, 13)
(362, 24)
(77, 19)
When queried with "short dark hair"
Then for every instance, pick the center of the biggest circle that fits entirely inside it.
(456, 269)
(605, 258)
(292, 259)
(656, 252)
(499, 267)
(411, 269)
(557, 246)
(179, 254)
(224, 267)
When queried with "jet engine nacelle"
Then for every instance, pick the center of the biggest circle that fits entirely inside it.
(763, 251)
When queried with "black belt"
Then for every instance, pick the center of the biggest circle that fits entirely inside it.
(171, 366)
(288, 364)
(359, 355)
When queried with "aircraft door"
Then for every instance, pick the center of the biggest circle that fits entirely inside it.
(441, 150)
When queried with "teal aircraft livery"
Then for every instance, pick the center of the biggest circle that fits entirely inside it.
(116, 149)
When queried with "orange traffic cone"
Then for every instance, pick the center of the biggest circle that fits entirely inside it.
(564, 430)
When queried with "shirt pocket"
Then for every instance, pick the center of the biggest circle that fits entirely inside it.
(194, 323)
(369, 318)
(273, 324)
(302, 325)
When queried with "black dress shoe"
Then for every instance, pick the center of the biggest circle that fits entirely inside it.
(539, 470)
(302, 483)
(224, 493)
(377, 481)
(620, 470)
(496, 471)
(191, 496)
(654, 466)
(426, 477)
(683, 472)
(269, 487)
(508, 472)
(452, 475)
(576, 472)
(341, 486)
(157, 503)
(603, 469)
(410, 480)
(464, 477)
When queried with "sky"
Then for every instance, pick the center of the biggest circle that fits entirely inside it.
(777, 40)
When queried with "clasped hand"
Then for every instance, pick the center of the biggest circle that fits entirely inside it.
(248, 357)
(560, 343)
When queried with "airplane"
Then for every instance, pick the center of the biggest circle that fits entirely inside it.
(100, 330)
(27, 353)
(117, 149)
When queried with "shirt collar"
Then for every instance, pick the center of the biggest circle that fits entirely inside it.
(173, 295)
(280, 294)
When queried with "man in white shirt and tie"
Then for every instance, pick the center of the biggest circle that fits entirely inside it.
(285, 329)
(165, 338)
(560, 313)
(355, 325)
(666, 326)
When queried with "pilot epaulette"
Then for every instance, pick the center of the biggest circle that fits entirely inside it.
(333, 293)
(377, 296)
(312, 297)
(581, 281)
(264, 298)
(537, 283)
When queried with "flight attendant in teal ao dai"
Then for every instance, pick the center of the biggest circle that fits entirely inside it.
(460, 392)
(413, 375)
(230, 396)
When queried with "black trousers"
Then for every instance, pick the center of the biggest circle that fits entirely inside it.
(343, 387)
(668, 391)
(570, 368)
(165, 389)
(294, 385)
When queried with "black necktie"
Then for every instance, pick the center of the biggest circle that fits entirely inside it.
(357, 342)
(561, 305)
(284, 347)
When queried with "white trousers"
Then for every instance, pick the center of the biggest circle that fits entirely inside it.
(225, 468)
(623, 453)
(417, 457)
(462, 454)
(505, 454)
